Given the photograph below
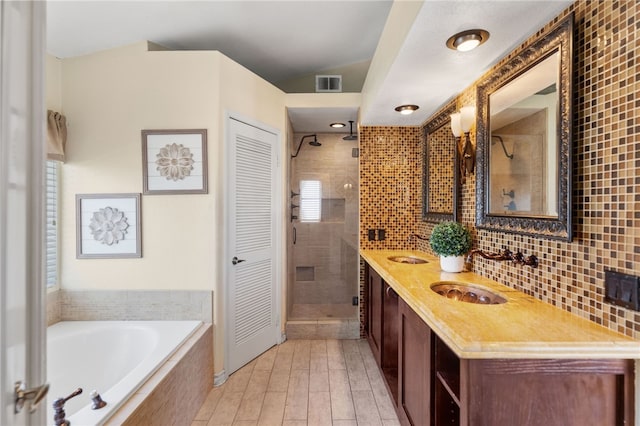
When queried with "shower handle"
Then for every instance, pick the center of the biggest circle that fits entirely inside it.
(235, 260)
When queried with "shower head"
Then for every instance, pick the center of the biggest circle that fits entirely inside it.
(351, 136)
(504, 148)
(314, 142)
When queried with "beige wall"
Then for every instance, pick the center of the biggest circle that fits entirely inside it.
(53, 74)
(108, 98)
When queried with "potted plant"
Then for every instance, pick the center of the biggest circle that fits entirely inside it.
(451, 241)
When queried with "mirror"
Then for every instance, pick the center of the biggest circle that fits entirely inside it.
(524, 143)
(440, 177)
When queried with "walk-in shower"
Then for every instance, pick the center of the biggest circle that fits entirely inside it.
(323, 234)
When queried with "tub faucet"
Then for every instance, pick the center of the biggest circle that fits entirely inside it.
(98, 402)
(58, 407)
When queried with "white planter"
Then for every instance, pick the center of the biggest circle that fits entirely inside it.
(452, 263)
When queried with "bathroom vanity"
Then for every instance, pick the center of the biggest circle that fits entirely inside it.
(521, 362)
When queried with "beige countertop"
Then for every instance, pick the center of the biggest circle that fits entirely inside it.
(523, 327)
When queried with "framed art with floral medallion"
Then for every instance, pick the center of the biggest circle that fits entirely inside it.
(174, 161)
(108, 226)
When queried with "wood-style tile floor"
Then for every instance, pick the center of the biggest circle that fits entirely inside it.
(303, 382)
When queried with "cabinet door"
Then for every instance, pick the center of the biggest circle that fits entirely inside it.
(374, 313)
(414, 369)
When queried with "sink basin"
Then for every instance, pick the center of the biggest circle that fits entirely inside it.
(469, 293)
(407, 259)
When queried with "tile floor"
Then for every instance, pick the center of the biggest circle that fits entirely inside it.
(303, 382)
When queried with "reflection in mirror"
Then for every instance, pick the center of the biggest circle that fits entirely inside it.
(440, 182)
(523, 183)
(523, 149)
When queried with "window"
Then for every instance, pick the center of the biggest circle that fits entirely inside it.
(310, 200)
(52, 224)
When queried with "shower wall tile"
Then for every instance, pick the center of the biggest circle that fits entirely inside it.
(83, 305)
(325, 246)
(606, 184)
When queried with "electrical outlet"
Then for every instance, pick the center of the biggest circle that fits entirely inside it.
(371, 234)
(622, 289)
(354, 300)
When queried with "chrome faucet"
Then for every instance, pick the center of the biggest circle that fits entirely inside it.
(58, 407)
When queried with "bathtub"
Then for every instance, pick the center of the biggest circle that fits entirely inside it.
(113, 357)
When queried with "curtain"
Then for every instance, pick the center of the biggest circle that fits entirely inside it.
(56, 135)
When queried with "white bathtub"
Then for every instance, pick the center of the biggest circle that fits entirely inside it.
(113, 357)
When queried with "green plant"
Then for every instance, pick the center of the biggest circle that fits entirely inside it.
(450, 239)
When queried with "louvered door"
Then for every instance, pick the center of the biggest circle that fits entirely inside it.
(252, 222)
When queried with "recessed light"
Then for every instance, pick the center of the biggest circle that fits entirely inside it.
(337, 125)
(467, 40)
(406, 109)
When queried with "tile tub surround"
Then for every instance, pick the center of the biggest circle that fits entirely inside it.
(174, 394)
(523, 327)
(129, 305)
(606, 189)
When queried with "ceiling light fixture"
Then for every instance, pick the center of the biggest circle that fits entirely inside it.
(406, 109)
(467, 40)
(337, 125)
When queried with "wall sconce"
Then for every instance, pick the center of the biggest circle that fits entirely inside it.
(461, 122)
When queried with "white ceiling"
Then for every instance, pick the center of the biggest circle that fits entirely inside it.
(280, 40)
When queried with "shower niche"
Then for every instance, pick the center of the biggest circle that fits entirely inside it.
(323, 244)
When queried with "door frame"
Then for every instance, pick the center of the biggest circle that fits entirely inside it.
(278, 236)
(22, 292)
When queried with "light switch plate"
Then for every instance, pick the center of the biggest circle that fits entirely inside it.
(622, 289)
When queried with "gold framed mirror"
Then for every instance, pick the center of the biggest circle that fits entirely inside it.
(439, 173)
(524, 128)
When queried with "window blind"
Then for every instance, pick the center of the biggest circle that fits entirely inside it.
(310, 200)
(52, 223)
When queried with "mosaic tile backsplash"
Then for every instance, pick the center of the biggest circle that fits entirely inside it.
(606, 183)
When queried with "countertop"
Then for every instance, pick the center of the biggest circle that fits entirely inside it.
(523, 327)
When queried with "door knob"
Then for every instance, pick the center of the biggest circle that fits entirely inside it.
(235, 260)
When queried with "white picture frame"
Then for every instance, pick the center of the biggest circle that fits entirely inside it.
(108, 226)
(174, 161)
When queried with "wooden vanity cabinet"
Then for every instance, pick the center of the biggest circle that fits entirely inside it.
(375, 293)
(549, 392)
(382, 328)
(414, 368)
(430, 385)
